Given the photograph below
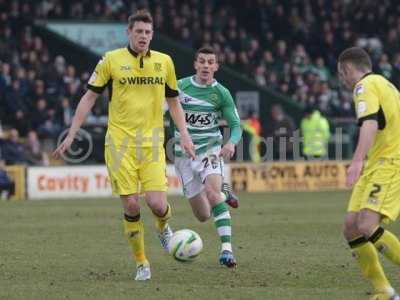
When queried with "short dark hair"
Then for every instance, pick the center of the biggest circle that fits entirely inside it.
(356, 56)
(142, 15)
(205, 50)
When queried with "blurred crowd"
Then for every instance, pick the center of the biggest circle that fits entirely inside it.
(39, 90)
(289, 46)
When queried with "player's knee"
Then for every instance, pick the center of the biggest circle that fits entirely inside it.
(212, 193)
(365, 227)
(131, 205)
(158, 209)
(350, 230)
(203, 216)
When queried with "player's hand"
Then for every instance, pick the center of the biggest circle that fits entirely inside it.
(187, 145)
(227, 150)
(354, 172)
(64, 146)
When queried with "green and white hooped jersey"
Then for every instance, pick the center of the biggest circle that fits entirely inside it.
(204, 106)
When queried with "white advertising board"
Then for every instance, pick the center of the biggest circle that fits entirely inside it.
(68, 182)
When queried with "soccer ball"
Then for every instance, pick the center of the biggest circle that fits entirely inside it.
(185, 245)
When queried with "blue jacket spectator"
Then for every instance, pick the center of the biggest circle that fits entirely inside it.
(7, 185)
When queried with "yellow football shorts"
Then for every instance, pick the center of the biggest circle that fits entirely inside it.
(135, 170)
(379, 190)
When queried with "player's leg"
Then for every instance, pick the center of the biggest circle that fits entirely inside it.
(134, 232)
(356, 233)
(124, 182)
(201, 207)
(357, 230)
(368, 225)
(157, 202)
(193, 189)
(154, 184)
(229, 196)
(222, 217)
(384, 199)
(387, 244)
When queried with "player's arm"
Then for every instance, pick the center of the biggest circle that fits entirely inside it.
(178, 116)
(367, 107)
(85, 105)
(97, 83)
(368, 132)
(175, 109)
(230, 114)
(366, 139)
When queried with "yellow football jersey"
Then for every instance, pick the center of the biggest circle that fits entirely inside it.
(378, 99)
(138, 85)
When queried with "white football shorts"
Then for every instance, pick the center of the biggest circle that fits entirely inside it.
(193, 173)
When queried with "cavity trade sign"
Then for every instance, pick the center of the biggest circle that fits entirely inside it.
(289, 176)
(68, 182)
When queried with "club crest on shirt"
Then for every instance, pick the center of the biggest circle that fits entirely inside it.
(157, 67)
(213, 97)
(359, 90)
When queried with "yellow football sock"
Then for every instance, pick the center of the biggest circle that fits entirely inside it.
(134, 232)
(368, 259)
(162, 221)
(387, 244)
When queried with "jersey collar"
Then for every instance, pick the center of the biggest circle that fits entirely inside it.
(135, 54)
(215, 82)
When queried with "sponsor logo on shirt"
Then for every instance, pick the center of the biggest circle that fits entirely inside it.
(198, 119)
(186, 99)
(142, 80)
(125, 68)
(373, 201)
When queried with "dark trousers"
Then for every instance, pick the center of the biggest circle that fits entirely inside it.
(9, 187)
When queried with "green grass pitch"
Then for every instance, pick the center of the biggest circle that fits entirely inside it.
(288, 246)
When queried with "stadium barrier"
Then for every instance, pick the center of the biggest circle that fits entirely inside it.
(17, 173)
(69, 182)
(92, 181)
(289, 176)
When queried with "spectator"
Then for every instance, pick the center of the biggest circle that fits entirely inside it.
(64, 113)
(44, 121)
(7, 185)
(33, 150)
(252, 126)
(12, 150)
(260, 76)
(281, 129)
(316, 133)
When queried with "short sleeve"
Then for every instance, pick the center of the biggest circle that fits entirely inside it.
(101, 76)
(171, 85)
(366, 102)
